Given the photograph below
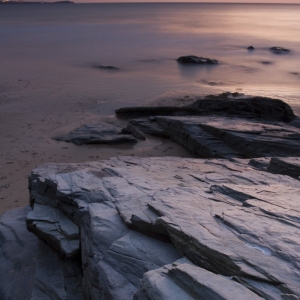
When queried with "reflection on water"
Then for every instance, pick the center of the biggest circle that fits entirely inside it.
(56, 45)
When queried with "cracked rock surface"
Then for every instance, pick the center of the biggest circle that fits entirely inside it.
(174, 228)
(223, 137)
(29, 268)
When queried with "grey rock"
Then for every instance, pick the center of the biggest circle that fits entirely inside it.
(102, 133)
(187, 281)
(287, 166)
(149, 127)
(30, 269)
(135, 132)
(232, 137)
(195, 60)
(225, 216)
(54, 227)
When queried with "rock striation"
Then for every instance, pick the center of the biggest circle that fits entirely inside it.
(29, 268)
(174, 228)
(101, 133)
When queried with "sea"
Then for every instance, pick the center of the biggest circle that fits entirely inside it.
(58, 48)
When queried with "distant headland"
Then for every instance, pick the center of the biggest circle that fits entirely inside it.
(31, 2)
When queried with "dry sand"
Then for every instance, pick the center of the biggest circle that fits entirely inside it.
(31, 113)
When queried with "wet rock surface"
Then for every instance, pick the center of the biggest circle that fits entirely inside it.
(234, 225)
(102, 133)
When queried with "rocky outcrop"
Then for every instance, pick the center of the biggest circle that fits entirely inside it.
(102, 133)
(261, 108)
(226, 104)
(222, 137)
(195, 60)
(30, 269)
(235, 224)
(286, 166)
(251, 48)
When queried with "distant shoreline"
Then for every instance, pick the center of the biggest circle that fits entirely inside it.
(26, 2)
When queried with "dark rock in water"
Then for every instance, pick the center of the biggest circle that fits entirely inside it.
(266, 62)
(102, 133)
(192, 59)
(279, 50)
(226, 104)
(221, 137)
(251, 48)
(247, 107)
(107, 67)
(30, 269)
(286, 166)
(236, 225)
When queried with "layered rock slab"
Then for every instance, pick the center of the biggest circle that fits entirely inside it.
(221, 137)
(226, 216)
(184, 280)
(30, 269)
(102, 133)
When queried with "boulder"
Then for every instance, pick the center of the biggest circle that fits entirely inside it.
(102, 133)
(251, 48)
(195, 60)
(235, 223)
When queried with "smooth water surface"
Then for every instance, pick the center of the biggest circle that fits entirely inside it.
(55, 47)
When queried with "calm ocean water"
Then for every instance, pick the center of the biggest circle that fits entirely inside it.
(56, 46)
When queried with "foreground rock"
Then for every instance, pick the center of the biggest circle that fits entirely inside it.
(30, 269)
(236, 225)
(102, 133)
(195, 60)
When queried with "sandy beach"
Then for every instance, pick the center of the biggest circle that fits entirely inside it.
(27, 125)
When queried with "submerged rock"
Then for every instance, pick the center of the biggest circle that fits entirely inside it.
(279, 50)
(138, 216)
(192, 59)
(101, 133)
(106, 67)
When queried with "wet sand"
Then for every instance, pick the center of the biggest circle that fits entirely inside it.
(31, 114)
